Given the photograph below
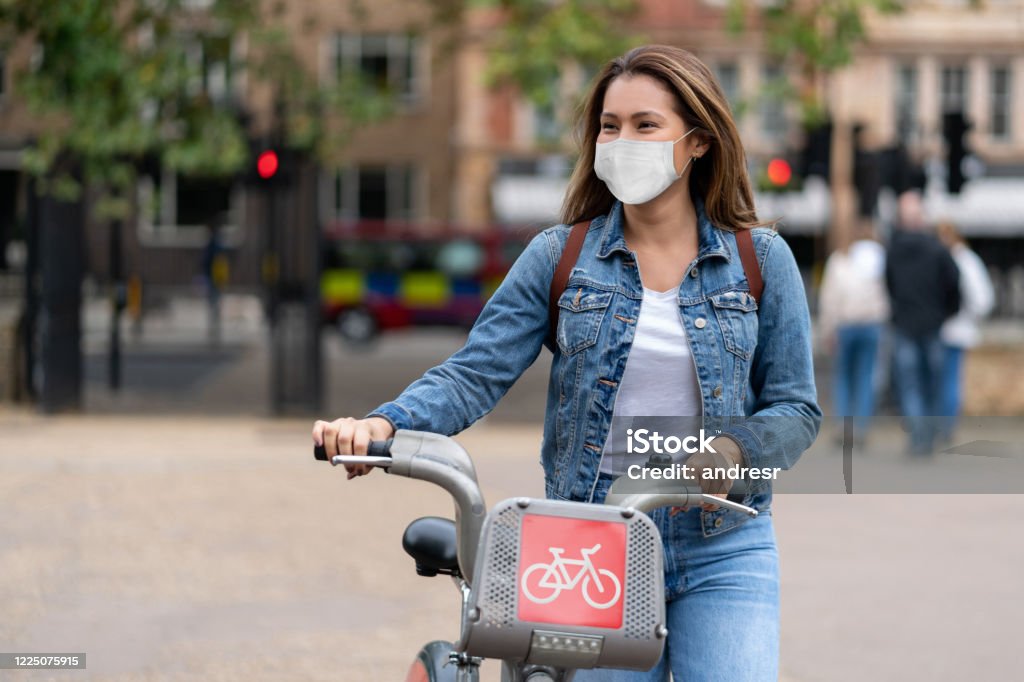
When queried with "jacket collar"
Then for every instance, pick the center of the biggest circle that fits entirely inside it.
(711, 240)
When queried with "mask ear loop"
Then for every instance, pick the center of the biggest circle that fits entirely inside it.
(685, 134)
(692, 158)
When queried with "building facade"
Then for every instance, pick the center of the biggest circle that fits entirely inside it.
(458, 153)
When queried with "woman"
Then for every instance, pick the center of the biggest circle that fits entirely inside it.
(662, 177)
(960, 333)
(853, 308)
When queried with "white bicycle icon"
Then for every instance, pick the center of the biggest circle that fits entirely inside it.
(554, 577)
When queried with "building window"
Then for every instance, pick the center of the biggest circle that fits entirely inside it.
(954, 89)
(375, 193)
(175, 210)
(209, 66)
(773, 115)
(386, 61)
(906, 102)
(999, 124)
(728, 74)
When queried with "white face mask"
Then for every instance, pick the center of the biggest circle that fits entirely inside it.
(636, 171)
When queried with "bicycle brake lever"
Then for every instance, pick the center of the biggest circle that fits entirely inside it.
(729, 504)
(383, 462)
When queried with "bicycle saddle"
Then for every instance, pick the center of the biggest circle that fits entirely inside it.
(431, 542)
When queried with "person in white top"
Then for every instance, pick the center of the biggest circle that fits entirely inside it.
(960, 332)
(852, 308)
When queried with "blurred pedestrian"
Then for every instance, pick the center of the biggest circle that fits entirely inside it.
(214, 275)
(679, 302)
(924, 291)
(853, 308)
(960, 332)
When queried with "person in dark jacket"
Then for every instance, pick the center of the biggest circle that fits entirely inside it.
(924, 291)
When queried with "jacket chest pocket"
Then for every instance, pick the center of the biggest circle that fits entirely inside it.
(737, 317)
(581, 311)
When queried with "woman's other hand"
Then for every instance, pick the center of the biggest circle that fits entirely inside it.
(727, 454)
(348, 436)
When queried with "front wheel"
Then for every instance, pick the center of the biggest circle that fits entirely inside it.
(432, 665)
(357, 326)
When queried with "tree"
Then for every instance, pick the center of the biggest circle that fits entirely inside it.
(115, 84)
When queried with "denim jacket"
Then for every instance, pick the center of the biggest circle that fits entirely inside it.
(751, 361)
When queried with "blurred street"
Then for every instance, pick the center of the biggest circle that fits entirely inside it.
(217, 548)
(172, 366)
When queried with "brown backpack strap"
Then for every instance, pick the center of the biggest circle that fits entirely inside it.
(750, 267)
(570, 254)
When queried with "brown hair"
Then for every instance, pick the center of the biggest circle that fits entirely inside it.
(948, 234)
(721, 176)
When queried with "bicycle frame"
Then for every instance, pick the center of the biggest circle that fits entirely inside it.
(442, 461)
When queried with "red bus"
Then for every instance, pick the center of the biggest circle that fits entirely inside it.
(379, 280)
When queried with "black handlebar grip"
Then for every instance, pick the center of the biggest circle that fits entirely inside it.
(738, 492)
(736, 496)
(377, 448)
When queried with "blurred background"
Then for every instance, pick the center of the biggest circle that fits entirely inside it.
(224, 217)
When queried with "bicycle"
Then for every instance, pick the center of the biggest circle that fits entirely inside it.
(490, 556)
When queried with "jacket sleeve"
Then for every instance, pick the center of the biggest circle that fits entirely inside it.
(504, 342)
(786, 416)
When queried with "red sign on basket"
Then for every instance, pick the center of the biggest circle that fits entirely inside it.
(572, 572)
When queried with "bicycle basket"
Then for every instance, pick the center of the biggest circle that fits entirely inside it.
(567, 584)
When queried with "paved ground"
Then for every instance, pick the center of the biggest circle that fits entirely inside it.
(194, 548)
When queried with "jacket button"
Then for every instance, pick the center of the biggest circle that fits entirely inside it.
(718, 522)
(699, 323)
(717, 392)
(693, 271)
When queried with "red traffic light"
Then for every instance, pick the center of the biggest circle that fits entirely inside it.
(779, 172)
(266, 164)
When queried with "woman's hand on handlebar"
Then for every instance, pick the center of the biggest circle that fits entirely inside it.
(348, 436)
(727, 453)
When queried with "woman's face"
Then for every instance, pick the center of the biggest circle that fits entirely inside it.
(641, 108)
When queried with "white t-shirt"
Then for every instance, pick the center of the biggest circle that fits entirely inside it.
(660, 378)
(976, 300)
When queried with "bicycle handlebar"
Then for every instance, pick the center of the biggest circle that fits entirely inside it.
(647, 502)
(440, 460)
(376, 448)
(437, 459)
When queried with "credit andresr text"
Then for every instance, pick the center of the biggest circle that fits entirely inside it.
(644, 441)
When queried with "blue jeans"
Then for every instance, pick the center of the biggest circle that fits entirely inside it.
(952, 371)
(917, 365)
(853, 383)
(722, 604)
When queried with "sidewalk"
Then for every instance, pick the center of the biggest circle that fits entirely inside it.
(192, 548)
